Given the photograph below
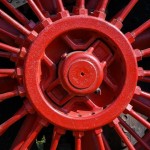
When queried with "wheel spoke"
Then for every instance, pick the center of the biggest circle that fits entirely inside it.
(145, 138)
(133, 133)
(20, 114)
(60, 6)
(107, 147)
(52, 85)
(123, 14)
(36, 10)
(6, 33)
(8, 95)
(91, 104)
(118, 129)
(14, 23)
(143, 73)
(23, 132)
(57, 133)
(37, 127)
(146, 52)
(141, 93)
(145, 79)
(100, 10)
(7, 72)
(78, 136)
(132, 35)
(100, 139)
(131, 112)
(141, 107)
(9, 48)
(5, 54)
(17, 14)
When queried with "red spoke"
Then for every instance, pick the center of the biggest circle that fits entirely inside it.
(60, 6)
(146, 52)
(132, 35)
(66, 99)
(36, 10)
(17, 14)
(78, 136)
(7, 72)
(91, 104)
(123, 14)
(145, 138)
(101, 8)
(102, 5)
(141, 93)
(141, 107)
(56, 137)
(131, 112)
(37, 127)
(9, 48)
(107, 147)
(80, 3)
(48, 61)
(14, 23)
(8, 95)
(23, 132)
(53, 84)
(145, 79)
(5, 54)
(17, 116)
(38, 3)
(118, 129)
(13, 36)
(143, 73)
(133, 133)
(100, 139)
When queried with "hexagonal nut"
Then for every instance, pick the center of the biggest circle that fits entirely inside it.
(19, 72)
(21, 91)
(128, 108)
(117, 23)
(138, 90)
(78, 134)
(130, 37)
(28, 107)
(100, 14)
(98, 131)
(31, 24)
(31, 37)
(46, 22)
(80, 11)
(63, 14)
(59, 130)
(138, 54)
(22, 53)
(140, 72)
(114, 122)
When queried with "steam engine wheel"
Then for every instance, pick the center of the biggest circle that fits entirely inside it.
(74, 70)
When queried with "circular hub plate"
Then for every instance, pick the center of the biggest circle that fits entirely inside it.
(80, 73)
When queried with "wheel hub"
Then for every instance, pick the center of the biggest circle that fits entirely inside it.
(69, 100)
(81, 73)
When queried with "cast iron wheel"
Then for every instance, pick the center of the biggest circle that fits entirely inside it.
(76, 70)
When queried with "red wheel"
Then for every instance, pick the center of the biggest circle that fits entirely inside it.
(75, 70)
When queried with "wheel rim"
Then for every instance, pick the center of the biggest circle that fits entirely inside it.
(75, 82)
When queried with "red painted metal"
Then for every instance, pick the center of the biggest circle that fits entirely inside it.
(76, 70)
